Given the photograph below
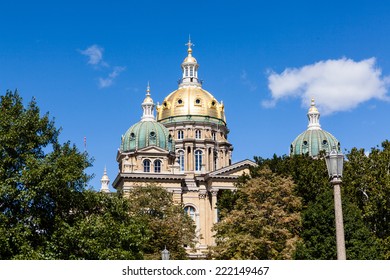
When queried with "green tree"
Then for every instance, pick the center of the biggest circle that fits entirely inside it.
(46, 210)
(26, 210)
(263, 223)
(103, 230)
(318, 229)
(170, 226)
(367, 181)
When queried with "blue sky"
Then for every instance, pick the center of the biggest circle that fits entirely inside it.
(88, 64)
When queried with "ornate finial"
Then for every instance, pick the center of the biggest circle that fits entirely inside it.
(105, 181)
(148, 106)
(148, 89)
(189, 44)
(314, 116)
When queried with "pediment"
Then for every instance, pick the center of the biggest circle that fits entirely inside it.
(152, 150)
(234, 170)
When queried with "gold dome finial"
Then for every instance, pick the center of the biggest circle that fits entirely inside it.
(189, 44)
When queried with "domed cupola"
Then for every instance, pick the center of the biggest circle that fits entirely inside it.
(147, 132)
(314, 139)
(190, 101)
(190, 69)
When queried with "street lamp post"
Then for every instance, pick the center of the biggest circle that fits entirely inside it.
(165, 254)
(334, 163)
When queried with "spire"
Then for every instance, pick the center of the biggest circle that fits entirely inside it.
(314, 117)
(148, 106)
(105, 181)
(148, 90)
(189, 44)
(190, 69)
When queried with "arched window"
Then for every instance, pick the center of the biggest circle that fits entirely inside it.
(181, 160)
(190, 211)
(146, 164)
(180, 134)
(157, 166)
(198, 160)
(191, 71)
(186, 72)
(198, 134)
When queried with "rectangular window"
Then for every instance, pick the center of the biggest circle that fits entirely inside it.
(181, 160)
(180, 134)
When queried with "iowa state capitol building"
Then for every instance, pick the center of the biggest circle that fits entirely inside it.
(185, 149)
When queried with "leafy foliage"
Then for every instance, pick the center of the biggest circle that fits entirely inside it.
(365, 201)
(169, 225)
(318, 229)
(103, 230)
(264, 222)
(367, 183)
(47, 211)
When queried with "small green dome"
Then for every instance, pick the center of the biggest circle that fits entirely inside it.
(314, 141)
(147, 133)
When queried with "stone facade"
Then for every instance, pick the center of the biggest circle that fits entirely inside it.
(199, 163)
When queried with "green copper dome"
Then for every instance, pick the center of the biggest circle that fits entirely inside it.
(144, 134)
(147, 132)
(314, 139)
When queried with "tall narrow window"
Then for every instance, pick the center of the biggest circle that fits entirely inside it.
(190, 211)
(198, 134)
(191, 71)
(157, 166)
(181, 160)
(198, 160)
(213, 136)
(180, 134)
(146, 163)
(186, 72)
(170, 142)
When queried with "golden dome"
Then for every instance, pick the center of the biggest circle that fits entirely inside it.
(148, 99)
(190, 101)
(190, 59)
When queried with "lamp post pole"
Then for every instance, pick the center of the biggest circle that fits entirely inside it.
(338, 211)
(334, 163)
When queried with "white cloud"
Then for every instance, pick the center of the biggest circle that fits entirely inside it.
(106, 82)
(245, 81)
(95, 58)
(336, 85)
(94, 54)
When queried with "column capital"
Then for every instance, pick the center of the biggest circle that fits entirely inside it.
(202, 194)
(214, 192)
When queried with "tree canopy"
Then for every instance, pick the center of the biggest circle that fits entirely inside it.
(47, 210)
(365, 200)
(263, 222)
(170, 226)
